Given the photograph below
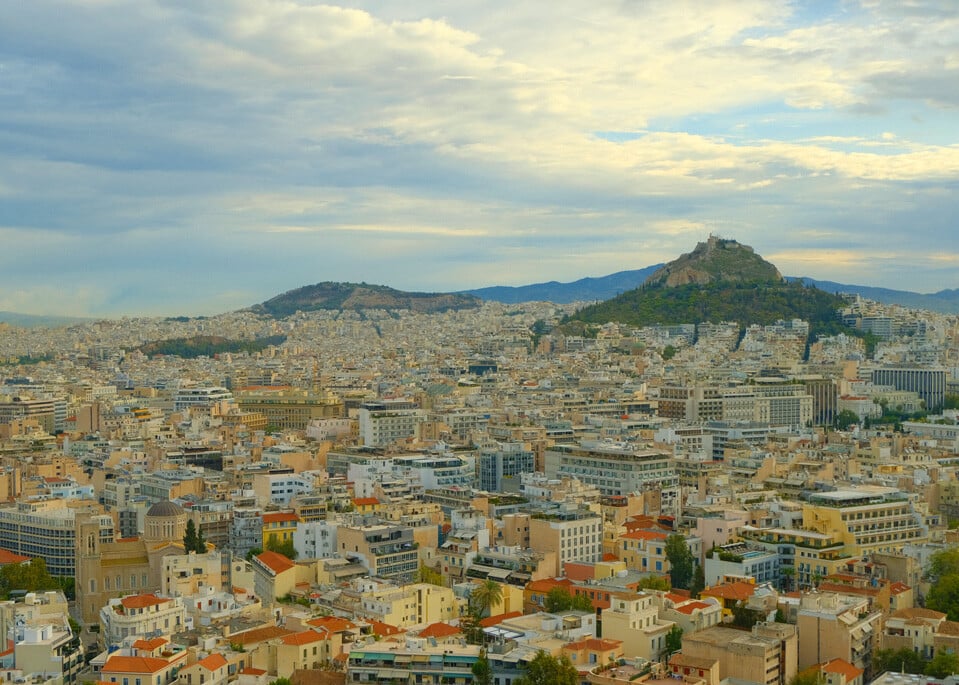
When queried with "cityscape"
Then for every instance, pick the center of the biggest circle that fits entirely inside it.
(452, 490)
(479, 343)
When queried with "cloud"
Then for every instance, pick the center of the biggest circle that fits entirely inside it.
(222, 135)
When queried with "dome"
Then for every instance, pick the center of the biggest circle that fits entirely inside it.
(165, 509)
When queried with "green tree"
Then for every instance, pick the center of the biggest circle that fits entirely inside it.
(253, 552)
(200, 542)
(191, 538)
(32, 577)
(281, 681)
(943, 664)
(845, 418)
(668, 353)
(944, 596)
(674, 639)
(429, 575)
(561, 599)
(284, 547)
(699, 581)
(681, 563)
(896, 660)
(482, 671)
(789, 575)
(944, 563)
(485, 595)
(653, 583)
(546, 669)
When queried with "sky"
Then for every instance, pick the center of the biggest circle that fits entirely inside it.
(198, 156)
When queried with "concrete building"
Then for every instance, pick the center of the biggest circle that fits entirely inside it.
(768, 654)
(837, 627)
(385, 422)
(572, 535)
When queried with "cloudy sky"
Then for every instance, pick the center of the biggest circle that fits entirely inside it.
(194, 156)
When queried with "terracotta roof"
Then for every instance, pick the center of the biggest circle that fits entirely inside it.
(8, 557)
(594, 643)
(383, 629)
(948, 628)
(249, 670)
(150, 645)
(365, 501)
(142, 601)
(134, 664)
(644, 535)
(689, 607)
(609, 556)
(842, 667)
(917, 612)
(491, 621)
(275, 561)
(212, 662)
(304, 637)
(737, 590)
(675, 597)
(898, 588)
(280, 517)
(259, 635)
(439, 629)
(547, 584)
(333, 624)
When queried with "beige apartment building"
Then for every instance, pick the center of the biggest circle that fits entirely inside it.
(768, 654)
(837, 627)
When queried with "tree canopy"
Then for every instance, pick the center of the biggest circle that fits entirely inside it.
(193, 540)
(681, 562)
(485, 595)
(561, 599)
(546, 669)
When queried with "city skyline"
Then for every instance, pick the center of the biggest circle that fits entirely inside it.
(198, 158)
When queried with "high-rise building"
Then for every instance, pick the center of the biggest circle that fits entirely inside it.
(930, 384)
(500, 467)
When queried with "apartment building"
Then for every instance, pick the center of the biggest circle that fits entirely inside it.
(572, 535)
(768, 654)
(501, 466)
(140, 615)
(837, 626)
(617, 469)
(288, 408)
(633, 618)
(385, 422)
(387, 551)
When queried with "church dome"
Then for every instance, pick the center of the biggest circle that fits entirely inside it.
(165, 509)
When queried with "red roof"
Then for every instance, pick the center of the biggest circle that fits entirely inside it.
(383, 629)
(249, 670)
(547, 584)
(737, 590)
(898, 588)
(303, 638)
(142, 601)
(491, 621)
(259, 635)
(212, 662)
(8, 557)
(332, 624)
(689, 607)
(134, 664)
(842, 667)
(595, 643)
(365, 501)
(150, 645)
(280, 517)
(644, 535)
(276, 562)
(439, 629)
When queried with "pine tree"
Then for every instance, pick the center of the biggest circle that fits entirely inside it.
(190, 537)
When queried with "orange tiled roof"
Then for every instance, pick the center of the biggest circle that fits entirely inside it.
(918, 612)
(596, 644)
(644, 535)
(304, 637)
(134, 664)
(439, 629)
(249, 670)
(150, 645)
(276, 562)
(212, 662)
(147, 599)
(689, 607)
(332, 624)
(280, 517)
(737, 590)
(842, 667)
(259, 635)
(898, 588)
(547, 584)
(383, 629)
(491, 621)
(8, 557)
(365, 501)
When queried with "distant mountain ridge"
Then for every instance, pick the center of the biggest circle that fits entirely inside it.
(944, 301)
(18, 320)
(359, 296)
(584, 290)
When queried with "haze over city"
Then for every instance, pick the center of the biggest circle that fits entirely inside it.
(191, 158)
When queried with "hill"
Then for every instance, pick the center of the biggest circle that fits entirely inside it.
(583, 290)
(720, 280)
(358, 296)
(38, 321)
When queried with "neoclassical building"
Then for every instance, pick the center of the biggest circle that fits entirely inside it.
(108, 568)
